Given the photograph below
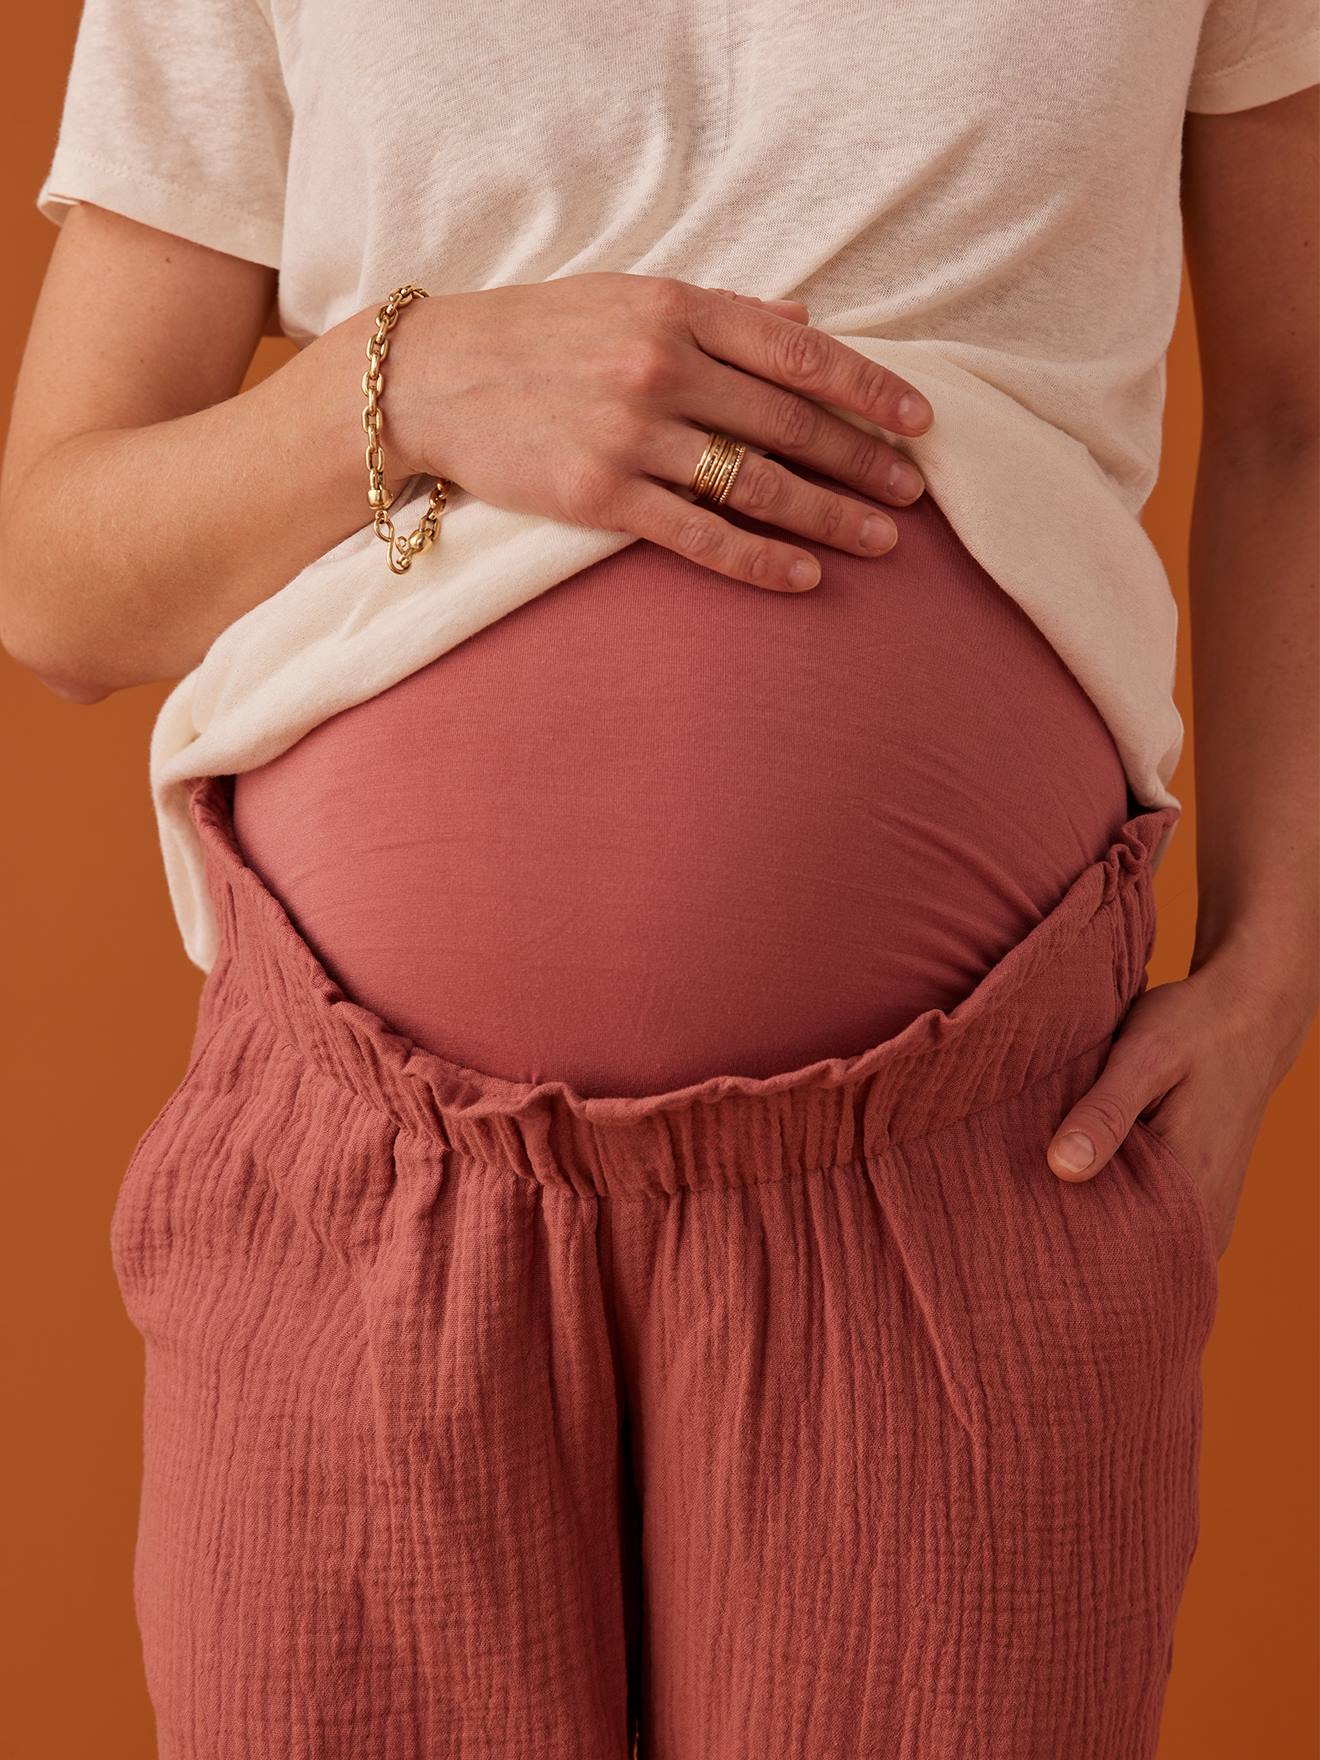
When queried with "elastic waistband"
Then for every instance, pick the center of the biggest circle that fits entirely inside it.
(1056, 994)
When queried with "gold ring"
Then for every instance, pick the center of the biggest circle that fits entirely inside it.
(717, 467)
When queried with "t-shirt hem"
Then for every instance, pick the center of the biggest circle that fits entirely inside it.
(1260, 79)
(153, 201)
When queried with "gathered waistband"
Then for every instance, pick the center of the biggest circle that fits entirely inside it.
(1058, 993)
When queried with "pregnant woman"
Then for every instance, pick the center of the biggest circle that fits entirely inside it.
(684, 1230)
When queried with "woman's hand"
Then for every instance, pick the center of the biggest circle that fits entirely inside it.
(1197, 1060)
(589, 398)
(585, 398)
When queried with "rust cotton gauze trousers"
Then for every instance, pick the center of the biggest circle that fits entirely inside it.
(808, 1416)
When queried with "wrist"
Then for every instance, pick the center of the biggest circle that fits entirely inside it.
(404, 397)
(344, 401)
(1266, 976)
(1281, 942)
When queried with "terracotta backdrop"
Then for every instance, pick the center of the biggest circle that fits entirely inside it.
(100, 1006)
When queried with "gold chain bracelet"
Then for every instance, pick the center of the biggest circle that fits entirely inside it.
(402, 548)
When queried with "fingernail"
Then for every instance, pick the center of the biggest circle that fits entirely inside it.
(878, 533)
(913, 410)
(804, 574)
(1075, 1151)
(904, 479)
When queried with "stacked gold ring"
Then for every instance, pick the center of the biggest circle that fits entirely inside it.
(718, 465)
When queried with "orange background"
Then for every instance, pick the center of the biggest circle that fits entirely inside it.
(101, 999)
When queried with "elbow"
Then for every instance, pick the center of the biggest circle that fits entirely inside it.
(27, 650)
(65, 681)
(35, 642)
(73, 689)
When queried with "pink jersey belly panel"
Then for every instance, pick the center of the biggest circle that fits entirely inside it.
(657, 825)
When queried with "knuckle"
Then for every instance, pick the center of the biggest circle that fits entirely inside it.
(799, 354)
(874, 385)
(648, 366)
(1106, 1113)
(669, 298)
(863, 456)
(699, 537)
(792, 422)
(758, 565)
(760, 487)
(832, 515)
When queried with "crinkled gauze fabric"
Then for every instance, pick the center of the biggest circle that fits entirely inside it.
(805, 1415)
(657, 825)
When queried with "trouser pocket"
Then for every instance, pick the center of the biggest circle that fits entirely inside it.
(1184, 1190)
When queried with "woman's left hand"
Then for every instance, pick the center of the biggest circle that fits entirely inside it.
(1197, 1060)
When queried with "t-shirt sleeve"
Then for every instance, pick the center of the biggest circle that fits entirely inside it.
(177, 117)
(1254, 51)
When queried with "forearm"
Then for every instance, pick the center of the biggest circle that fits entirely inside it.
(1254, 675)
(126, 552)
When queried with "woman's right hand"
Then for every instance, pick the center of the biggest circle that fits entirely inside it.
(589, 399)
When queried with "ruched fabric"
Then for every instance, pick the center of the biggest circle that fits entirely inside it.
(808, 1416)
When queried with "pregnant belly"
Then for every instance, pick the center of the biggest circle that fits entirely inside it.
(657, 825)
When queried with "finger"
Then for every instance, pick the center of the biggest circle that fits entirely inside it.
(795, 427)
(767, 490)
(1097, 1123)
(649, 510)
(791, 308)
(804, 359)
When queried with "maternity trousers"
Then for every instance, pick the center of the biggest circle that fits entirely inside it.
(802, 1416)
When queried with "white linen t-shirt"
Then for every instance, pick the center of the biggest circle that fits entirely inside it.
(981, 194)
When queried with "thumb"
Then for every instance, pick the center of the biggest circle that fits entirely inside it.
(1095, 1125)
